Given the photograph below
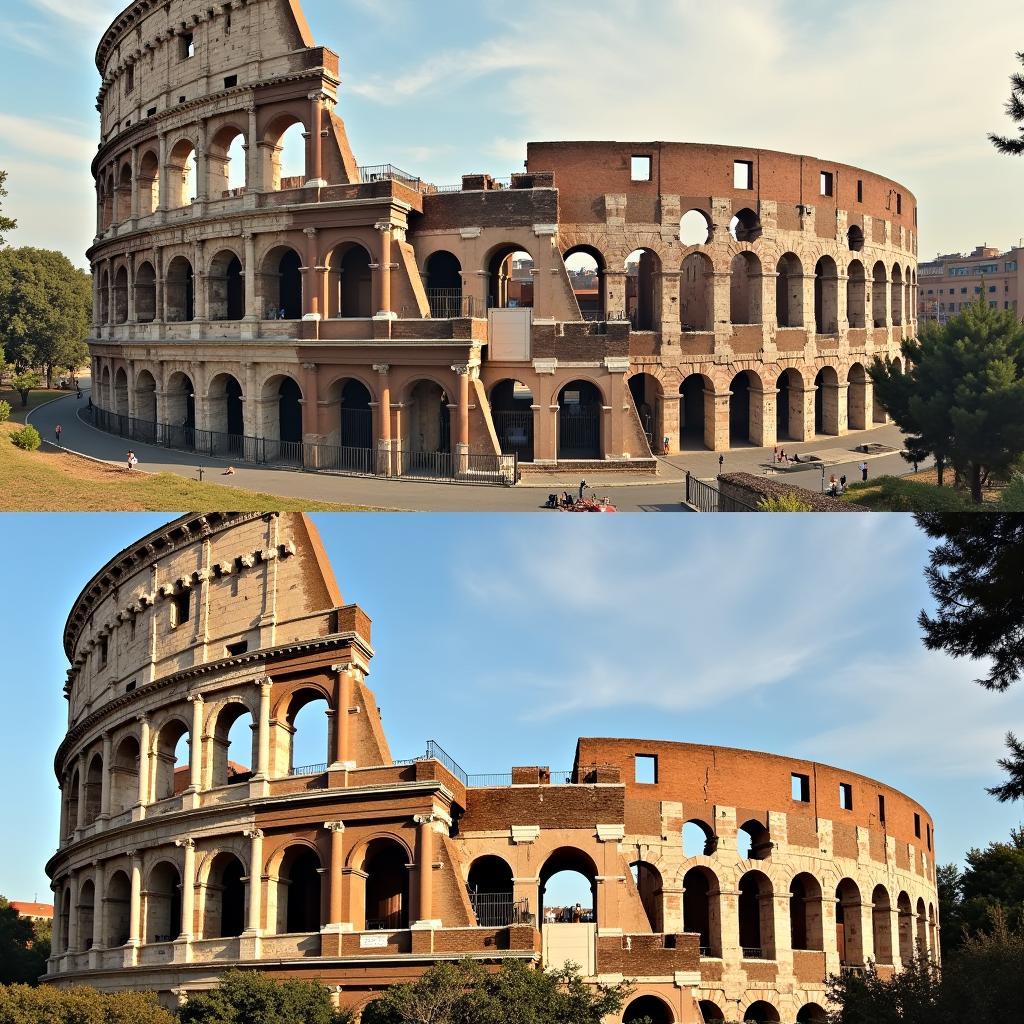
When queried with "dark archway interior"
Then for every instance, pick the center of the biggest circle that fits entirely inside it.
(290, 403)
(303, 876)
(579, 421)
(356, 284)
(291, 285)
(512, 413)
(387, 887)
(233, 391)
(232, 907)
(356, 416)
(739, 410)
(697, 907)
(649, 1008)
(444, 286)
(691, 411)
(490, 892)
(235, 290)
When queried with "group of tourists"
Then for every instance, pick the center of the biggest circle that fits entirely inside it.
(568, 915)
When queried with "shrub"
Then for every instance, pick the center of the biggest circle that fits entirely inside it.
(786, 503)
(20, 1004)
(1013, 496)
(245, 996)
(5, 411)
(27, 439)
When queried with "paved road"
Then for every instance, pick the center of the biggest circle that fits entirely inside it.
(663, 495)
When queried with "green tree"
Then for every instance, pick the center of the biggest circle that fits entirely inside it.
(992, 886)
(24, 383)
(45, 309)
(949, 882)
(21, 959)
(6, 224)
(911, 997)
(5, 411)
(20, 1004)
(244, 997)
(1015, 109)
(962, 397)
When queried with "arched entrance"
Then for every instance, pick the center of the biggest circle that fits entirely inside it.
(298, 892)
(568, 888)
(226, 287)
(281, 285)
(350, 293)
(121, 392)
(702, 910)
(745, 410)
(581, 409)
(756, 917)
(694, 394)
(224, 898)
(761, 1013)
(849, 943)
(745, 289)
(649, 1008)
(642, 269)
(117, 910)
(697, 293)
(805, 913)
(857, 411)
(649, 400)
(145, 293)
(879, 295)
(225, 411)
(512, 413)
(510, 278)
(826, 402)
(355, 415)
(162, 903)
(881, 924)
(586, 269)
(710, 1012)
(121, 296)
(387, 886)
(180, 407)
(179, 294)
(647, 879)
(856, 295)
(427, 423)
(491, 892)
(789, 291)
(282, 410)
(443, 273)
(789, 406)
(826, 296)
(145, 401)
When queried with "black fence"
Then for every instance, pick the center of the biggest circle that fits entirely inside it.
(441, 467)
(579, 432)
(393, 922)
(705, 497)
(514, 428)
(499, 910)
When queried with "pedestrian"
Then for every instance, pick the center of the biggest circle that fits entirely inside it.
(583, 488)
(132, 461)
(915, 465)
(833, 486)
(280, 313)
(864, 472)
(90, 403)
(58, 430)
(721, 464)
(842, 484)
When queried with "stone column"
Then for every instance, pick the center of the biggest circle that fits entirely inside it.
(73, 888)
(80, 822)
(252, 309)
(384, 444)
(188, 889)
(202, 164)
(255, 923)
(314, 173)
(310, 400)
(263, 731)
(386, 230)
(143, 767)
(195, 758)
(311, 280)
(200, 278)
(132, 314)
(716, 420)
(253, 171)
(134, 911)
(162, 173)
(765, 433)
(769, 309)
(335, 916)
(105, 787)
(729, 924)
(135, 183)
(425, 866)
(160, 313)
(615, 293)
(99, 887)
(111, 312)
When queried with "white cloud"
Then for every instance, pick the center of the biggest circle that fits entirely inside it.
(47, 141)
(93, 15)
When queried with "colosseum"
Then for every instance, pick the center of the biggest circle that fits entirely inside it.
(723, 884)
(610, 303)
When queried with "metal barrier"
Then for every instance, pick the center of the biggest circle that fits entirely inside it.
(499, 909)
(309, 769)
(438, 467)
(704, 497)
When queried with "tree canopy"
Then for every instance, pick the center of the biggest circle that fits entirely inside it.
(20, 1004)
(244, 997)
(1015, 109)
(45, 309)
(962, 397)
(24, 949)
(6, 224)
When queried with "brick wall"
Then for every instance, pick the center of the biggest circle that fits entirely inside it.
(511, 208)
(751, 490)
(647, 956)
(546, 806)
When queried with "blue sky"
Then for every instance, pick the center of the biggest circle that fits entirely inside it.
(453, 87)
(506, 641)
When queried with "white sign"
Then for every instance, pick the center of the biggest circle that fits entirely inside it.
(378, 940)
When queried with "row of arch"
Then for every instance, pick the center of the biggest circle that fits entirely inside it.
(760, 1011)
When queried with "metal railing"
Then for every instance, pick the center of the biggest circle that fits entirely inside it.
(753, 953)
(308, 769)
(389, 923)
(450, 304)
(705, 497)
(499, 781)
(499, 910)
(440, 467)
(388, 172)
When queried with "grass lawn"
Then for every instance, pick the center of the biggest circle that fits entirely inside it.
(917, 493)
(52, 481)
(35, 399)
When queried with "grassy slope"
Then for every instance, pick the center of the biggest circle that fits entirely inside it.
(909, 494)
(56, 482)
(35, 399)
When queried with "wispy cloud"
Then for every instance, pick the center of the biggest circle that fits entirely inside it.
(47, 141)
(94, 15)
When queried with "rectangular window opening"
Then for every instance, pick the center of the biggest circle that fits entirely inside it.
(231, 81)
(181, 609)
(640, 168)
(646, 769)
(917, 826)
(801, 787)
(860, 190)
(846, 796)
(186, 46)
(130, 687)
(151, 112)
(827, 183)
(928, 829)
(881, 808)
(129, 78)
(104, 650)
(743, 174)
(899, 203)
(236, 649)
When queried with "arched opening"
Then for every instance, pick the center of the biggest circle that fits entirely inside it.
(745, 226)
(355, 415)
(897, 296)
(443, 274)
(702, 910)
(65, 921)
(308, 731)
(299, 892)
(172, 749)
(710, 1011)
(812, 1013)
(879, 295)
(697, 293)
(756, 917)
(933, 931)
(647, 879)
(512, 412)
(648, 1008)
(226, 287)
(581, 409)
(849, 942)
(181, 174)
(855, 238)
(145, 293)
(224, 409)
(906, 928)
(234, 747)
(789, 406)
(86, 913)
(124, 194)
(149, 183)
(281, 285)
(145, 397)
(568, 888)
(856, 295)
(284, 154)
(856, 398)
(649, 401)
(761, 1013)
(179, 293)
(826, 296)
(107, 389)
(826, 402)
(106, 193)
(805, 913)
(753, 841)
(510, 278)
(180, 402)
(104, 298)
(225, 161)
(745, 409)
(745, 289)
(387, 886)
(695, 393)
(224, 898)
(586, 268)
(162, 903)
(117, 904)
(789, 291)
(642, 269)
(121, 296)
(922, 929)
(282, 410)
(491, 891)
(881, 924)
(124, 777)
(695, 228)
(428, 421)
(72, 801)
(350, 283)
(699, 839)
(121, 392)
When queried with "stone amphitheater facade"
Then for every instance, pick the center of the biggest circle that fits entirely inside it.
(364, 870)
(377, 318)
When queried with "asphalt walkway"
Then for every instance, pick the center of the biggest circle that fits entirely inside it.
(664, 494)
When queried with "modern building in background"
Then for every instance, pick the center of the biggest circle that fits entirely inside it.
(725, 884)
(34, 912)
(357, 318)
(949, 283)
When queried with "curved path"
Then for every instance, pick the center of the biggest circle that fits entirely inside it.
(662, 495)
